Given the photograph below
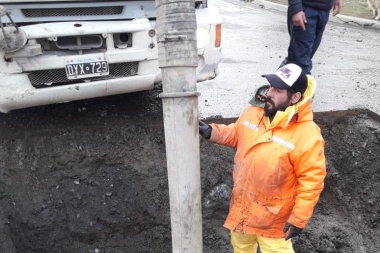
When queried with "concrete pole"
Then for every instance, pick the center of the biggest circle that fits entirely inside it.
(177, 55)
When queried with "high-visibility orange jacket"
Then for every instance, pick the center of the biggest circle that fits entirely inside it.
(279, 168)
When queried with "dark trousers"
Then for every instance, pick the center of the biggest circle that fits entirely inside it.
(304, 44)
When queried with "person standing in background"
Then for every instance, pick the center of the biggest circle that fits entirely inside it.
(307, 20)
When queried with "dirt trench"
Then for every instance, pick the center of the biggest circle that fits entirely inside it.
(91, 176)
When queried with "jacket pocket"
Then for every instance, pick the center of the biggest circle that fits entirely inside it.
(262, 215)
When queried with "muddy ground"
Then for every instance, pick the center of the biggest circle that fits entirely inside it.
(90, 176)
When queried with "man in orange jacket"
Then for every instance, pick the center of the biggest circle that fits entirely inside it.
(279, 166)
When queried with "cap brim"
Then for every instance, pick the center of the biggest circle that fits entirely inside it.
(276, 82)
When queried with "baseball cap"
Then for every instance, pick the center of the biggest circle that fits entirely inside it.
(290, 77)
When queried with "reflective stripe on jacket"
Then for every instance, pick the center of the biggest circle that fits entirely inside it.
(279, 168)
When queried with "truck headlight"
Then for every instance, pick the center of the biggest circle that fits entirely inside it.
(203, 37)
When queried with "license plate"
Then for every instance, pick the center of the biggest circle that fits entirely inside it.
(83, 67)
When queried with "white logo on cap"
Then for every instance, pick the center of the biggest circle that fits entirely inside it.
(289, 73)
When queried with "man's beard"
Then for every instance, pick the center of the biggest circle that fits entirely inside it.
(271, 112)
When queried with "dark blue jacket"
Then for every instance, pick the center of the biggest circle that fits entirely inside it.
(296, 5)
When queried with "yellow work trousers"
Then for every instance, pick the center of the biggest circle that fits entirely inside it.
(243, 243)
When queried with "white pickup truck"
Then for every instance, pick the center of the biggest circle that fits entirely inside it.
(59, 51)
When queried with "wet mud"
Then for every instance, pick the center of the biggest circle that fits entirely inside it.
(91, 176)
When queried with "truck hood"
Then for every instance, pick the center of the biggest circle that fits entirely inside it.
(28, 11)
(52, 1)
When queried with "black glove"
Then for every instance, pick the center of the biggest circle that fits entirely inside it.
(294, 231)
(205, 130)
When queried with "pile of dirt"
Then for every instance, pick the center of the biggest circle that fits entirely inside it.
(91, 176)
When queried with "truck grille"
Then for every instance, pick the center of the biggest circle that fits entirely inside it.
(53, 77)
(68, 12)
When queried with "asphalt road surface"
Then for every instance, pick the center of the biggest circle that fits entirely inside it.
(255, 40)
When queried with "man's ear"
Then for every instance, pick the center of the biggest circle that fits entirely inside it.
(295, 98)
